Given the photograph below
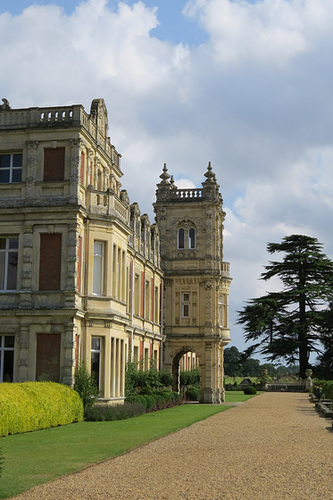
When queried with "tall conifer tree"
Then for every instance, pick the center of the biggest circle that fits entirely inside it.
(288, 324)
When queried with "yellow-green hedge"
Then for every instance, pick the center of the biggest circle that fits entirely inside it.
(30, 406)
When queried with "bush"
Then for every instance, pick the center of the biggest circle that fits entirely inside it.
(157, 400)
(85, 386)
(250, 390)
(192, 394)
(190, 377)
(31, 406)
(328, 389)
(110, 413)
(166, 378)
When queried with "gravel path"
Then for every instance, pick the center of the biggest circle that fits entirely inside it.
(275, 446)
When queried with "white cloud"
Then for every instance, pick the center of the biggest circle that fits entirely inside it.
(256, 100)
(270, 31)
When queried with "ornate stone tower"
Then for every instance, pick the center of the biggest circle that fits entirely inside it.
(197, 281)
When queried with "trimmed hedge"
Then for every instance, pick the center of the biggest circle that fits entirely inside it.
(31, 406)
(156, 401)
(102, 413)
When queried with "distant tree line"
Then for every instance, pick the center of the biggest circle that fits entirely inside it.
(237, 364)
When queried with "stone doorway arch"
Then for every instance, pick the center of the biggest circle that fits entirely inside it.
(210, 355)
(176, 366)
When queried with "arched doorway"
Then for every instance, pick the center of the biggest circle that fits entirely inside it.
(179, 364)
(210, 355)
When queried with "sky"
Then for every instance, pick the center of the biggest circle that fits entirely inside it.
(247, 85)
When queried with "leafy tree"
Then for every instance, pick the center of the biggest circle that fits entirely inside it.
(85, 385)
(232, 361)
(324, 368)
(288, 324)
(251, 368)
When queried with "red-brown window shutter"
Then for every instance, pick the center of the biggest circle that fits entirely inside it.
(48, 357)
(152, 291)
(142, 310)
(54, 164)
(50, 261)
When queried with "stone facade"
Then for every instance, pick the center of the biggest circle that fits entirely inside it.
(81, 270)
(80, 266)
(196, 280)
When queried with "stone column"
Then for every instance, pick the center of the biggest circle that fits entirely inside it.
(31, 169)
(69, 353)
(23, 355)
(26, 274)
(74, 166)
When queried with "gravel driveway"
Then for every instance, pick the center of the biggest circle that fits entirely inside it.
(275, 446)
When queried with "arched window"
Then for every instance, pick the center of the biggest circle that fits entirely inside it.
(181, 238)
(191, 238)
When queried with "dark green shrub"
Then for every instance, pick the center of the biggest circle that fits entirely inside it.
(85, 386)
(192, 394)
(100, 413)
(250, 390)
(190, 377)
(328, 389)
(131, 378)
(31, 406)
(166, 378)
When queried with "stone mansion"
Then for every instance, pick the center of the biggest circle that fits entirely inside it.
(84, 276)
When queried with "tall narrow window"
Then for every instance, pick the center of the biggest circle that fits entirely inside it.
(156, 305)
(6, 358)
(181, 238)
(222, 304)
(136, 295)
(147, 299)
(54, 164)
(82, 168)
(96, 347)
(11, 168)
(8, 263)
(191, 238)
(79, 264)
(50, 261)
(185, 305)
(118, 277)
(98, 274)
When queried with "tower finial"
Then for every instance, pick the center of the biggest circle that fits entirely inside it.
(210, 176)
(164, 175)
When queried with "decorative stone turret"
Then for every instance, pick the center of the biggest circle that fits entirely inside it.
(197, 280)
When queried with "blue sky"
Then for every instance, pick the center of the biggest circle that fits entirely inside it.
(247, 85)
(173, 26)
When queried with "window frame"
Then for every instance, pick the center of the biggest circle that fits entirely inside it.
(96, 351)
(6, 262)
(192, 240)
(187, 238)
(11, 168)
(100, 258)
(186, 305)
(179, 247)
(3, 350)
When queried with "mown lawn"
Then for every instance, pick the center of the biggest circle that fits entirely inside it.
(37, 457)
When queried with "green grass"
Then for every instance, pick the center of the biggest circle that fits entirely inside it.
(37, 457)
(238, 396)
